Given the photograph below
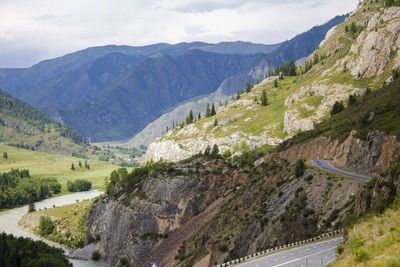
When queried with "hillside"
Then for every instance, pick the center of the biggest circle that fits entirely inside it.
(297, 48)
(120, 111)
(24, 126)
(340, 67)
(220, 208)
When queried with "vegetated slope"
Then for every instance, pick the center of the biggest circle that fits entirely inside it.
(26, 252)
(150, 89)
(295, 49)
(378, 110)
(255, 201)
(340, 67)
(24, 126)
(210, 204)
(372, 235)
(83, 83)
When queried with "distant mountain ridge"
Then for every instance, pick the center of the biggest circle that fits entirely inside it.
(145, 92)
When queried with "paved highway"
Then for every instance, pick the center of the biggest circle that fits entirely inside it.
(326, 165)
(312, 255)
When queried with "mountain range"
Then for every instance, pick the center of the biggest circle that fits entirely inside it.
(112, 92)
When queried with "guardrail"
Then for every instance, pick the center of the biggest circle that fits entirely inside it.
(276, 249)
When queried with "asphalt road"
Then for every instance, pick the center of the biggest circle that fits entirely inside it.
(326, 165)
(312, 255)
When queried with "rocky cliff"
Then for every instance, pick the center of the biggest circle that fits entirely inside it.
(378, 152)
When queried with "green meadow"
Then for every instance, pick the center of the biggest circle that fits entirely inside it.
(43, 164)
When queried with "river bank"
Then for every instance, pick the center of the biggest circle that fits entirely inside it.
(9, 221)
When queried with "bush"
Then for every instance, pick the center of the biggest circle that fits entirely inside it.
(337, 107)
(299, 168)
(46, 226)
(96, 255)
(340, 249)
(79, 185)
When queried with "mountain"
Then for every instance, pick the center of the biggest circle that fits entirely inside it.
(59, 86)
(83, 74)
(150, 89)
(24, 126)
(215, 207)
(297, 48)
(340, 67)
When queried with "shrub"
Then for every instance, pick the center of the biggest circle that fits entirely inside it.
(340, 249)
(299, 168)
(46, 226)
(96, 255)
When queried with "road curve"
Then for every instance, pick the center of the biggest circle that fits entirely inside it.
(316, 254)
(326, 165)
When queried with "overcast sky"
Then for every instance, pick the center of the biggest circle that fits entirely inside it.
(34, 30)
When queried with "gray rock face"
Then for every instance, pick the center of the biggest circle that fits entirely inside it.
(122, 229)
(379, 151)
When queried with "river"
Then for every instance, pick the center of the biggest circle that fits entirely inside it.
(9, 221)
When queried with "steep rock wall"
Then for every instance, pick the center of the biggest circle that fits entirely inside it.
(378, 151)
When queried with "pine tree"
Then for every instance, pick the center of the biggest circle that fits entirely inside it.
(207, 151)
(249, 86)
(207, 114)
(190, 116)
(80, 164)
(215, 150)
(166, 129)
(215, 123)
(352, 100)
(199, 117)
(263, 98)
(5, 155)
(275, 83)
(213, 113)
(31, 206)
(72, 167)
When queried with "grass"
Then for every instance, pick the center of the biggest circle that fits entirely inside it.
(70, 222)
(378, 110)
(373, 242)
(43, 164)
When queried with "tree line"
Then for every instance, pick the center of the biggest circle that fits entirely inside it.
(79, 185)
(24, 252)
(15, 108)
(17, 187)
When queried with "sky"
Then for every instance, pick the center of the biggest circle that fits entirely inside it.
(34, 30)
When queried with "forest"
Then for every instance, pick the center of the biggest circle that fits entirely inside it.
(15, 108)
(17, 188)
(15, 252)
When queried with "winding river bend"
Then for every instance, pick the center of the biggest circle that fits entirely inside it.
(9, 221)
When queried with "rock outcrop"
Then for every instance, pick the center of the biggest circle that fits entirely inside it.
(378, 151)
(168, 209)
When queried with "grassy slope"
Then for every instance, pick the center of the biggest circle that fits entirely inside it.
(42, 164)
(373, 242)
(253, 118)
(70, 221)
(24, 124)
(382, 105)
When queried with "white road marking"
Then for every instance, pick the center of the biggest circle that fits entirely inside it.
(302, 257)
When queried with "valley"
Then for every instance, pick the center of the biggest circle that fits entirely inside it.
(201, 154)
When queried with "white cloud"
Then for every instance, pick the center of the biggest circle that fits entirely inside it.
(35, 30)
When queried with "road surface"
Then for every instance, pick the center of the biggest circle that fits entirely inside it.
(326, 165)
(312, 255)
